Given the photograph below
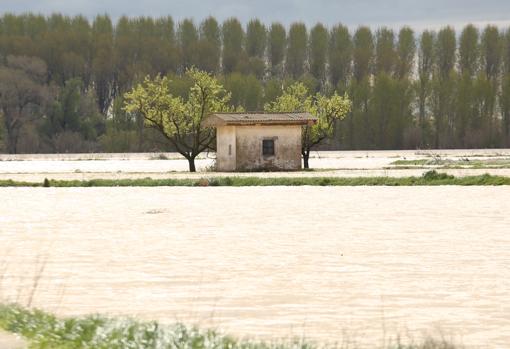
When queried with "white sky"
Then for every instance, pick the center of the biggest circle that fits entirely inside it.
(418, 14)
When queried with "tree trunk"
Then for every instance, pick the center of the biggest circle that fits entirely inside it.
(12, 140)
(306, 156)
(140, 125)
(191, 162)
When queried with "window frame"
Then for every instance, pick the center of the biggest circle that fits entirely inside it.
(271, 141)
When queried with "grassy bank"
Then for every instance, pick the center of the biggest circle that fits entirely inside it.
(463, 163)
(45, 331)
(429, 178)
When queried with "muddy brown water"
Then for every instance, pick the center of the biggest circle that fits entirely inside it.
(332, 264)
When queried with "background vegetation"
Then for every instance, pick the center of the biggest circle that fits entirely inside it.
(62, 79)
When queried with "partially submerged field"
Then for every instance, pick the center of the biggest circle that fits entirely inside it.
(35, 168)
(327, 263)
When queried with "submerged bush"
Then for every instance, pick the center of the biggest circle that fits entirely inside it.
(434, 175)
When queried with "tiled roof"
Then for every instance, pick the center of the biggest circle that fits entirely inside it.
(221, 119)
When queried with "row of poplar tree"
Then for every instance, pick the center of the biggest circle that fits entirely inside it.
(435, 89)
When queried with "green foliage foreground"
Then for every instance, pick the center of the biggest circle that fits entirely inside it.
(428, 178)
(45, 331)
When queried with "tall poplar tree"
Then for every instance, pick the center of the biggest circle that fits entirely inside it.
(318, 51)
(233, 40)
(340, 56)
(296, 50)
(276, 47)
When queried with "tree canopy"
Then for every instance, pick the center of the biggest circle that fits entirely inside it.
(180, 120)
(328, 110)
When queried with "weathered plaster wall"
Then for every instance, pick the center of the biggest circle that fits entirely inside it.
(249, 147)
(226, 148)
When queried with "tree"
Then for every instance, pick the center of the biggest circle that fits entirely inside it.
(444, 88)
(180, 120)
(469, 51)
(425, 70)
(318, 52)
(383, 111)
(276, 46)
(209, 46)
(246, 91)
(256, 39)
(406, 51)
(363, 52)
(446, 49)
(504, 97)
(340, 56)
(296, 98)
(187, 36)
(233, 38)
(505, 108)
(296, 50)
(22, 95)
(73, 115)
(491, 63)
(385, 56)
(102, 63)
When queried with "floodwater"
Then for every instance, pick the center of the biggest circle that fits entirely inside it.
(36, 167)
(332, 264)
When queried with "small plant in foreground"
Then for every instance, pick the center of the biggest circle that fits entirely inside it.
(46, 331)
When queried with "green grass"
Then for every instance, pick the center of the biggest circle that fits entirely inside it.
(453, 164)
(419, 162)
(46, 331)
(429, 178)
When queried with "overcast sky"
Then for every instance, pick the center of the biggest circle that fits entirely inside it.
(419, 14)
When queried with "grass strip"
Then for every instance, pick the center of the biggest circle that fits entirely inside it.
(46, 331)
(430, 178)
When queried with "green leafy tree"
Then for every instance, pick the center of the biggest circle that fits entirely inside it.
(296, 50)
(179, 120)
(446, 52)
(256, 39)
(385, 55)
(23, 95)
(444, 88)
(491, 58)
(296, 98)
(504, 101)
(209, 46)
(103, 69)
(187, 36)
(504, 97)
(246, 91)
(363, 52)
(469, 64)
(424, 84)
(233, 39)
(406, 52)
(318, 52)
(469, 51)
(72, 122)
(276, 47)
(340, 56)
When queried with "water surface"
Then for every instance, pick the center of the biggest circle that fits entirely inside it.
(328, 263)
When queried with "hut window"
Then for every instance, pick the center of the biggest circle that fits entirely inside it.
(268, 147)
(230, 149)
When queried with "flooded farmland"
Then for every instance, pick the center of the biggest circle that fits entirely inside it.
(328, 263)
(471, 162)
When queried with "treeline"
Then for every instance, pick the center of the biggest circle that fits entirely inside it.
(62, 79)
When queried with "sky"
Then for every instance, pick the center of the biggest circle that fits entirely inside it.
(419, 14)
